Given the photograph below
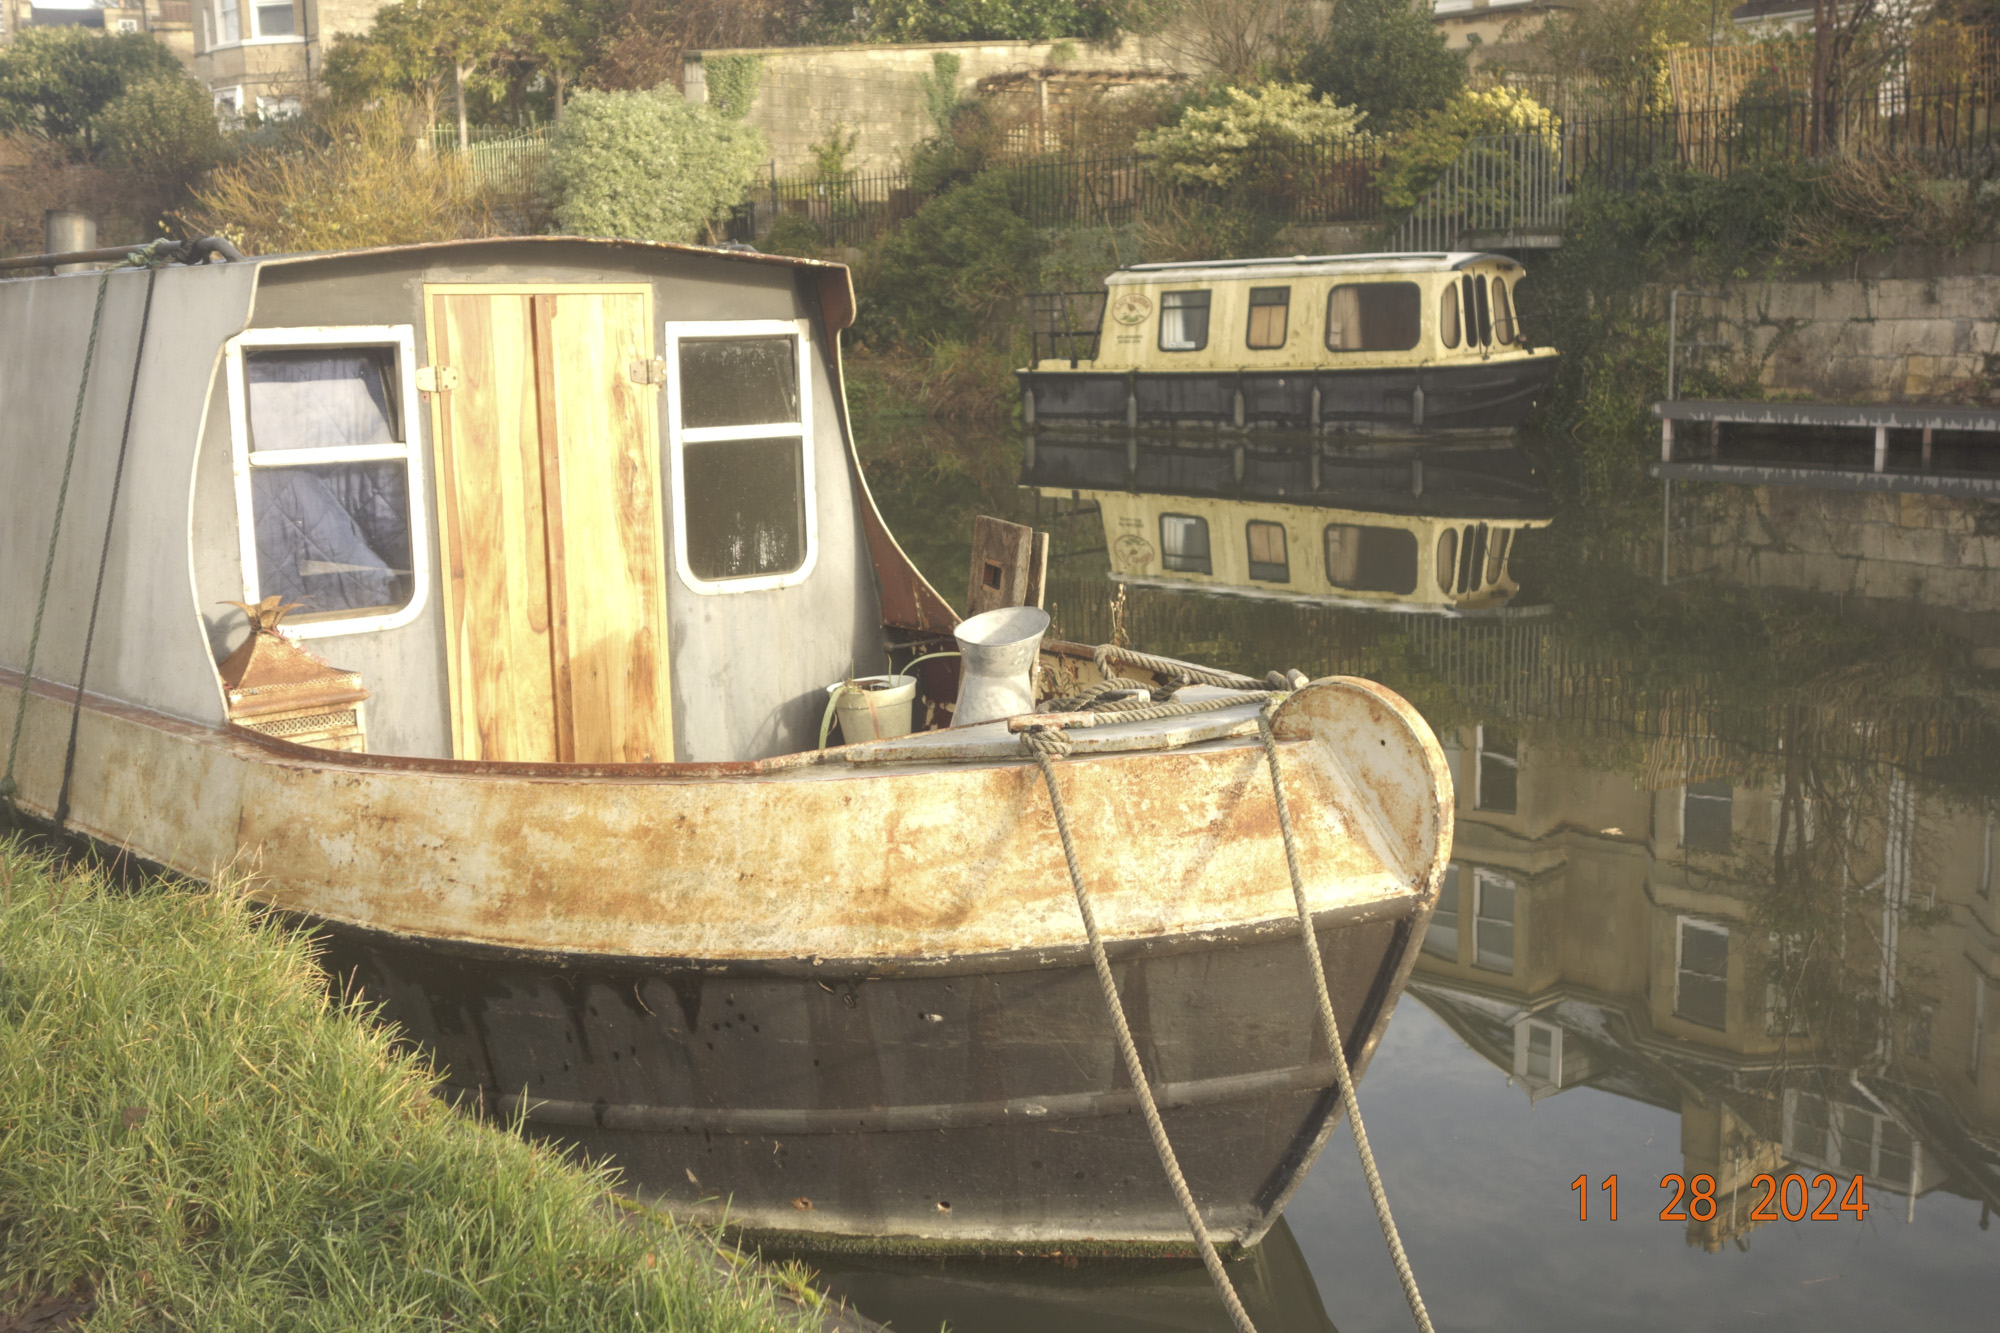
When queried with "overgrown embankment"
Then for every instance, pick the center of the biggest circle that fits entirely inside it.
(193, 1134)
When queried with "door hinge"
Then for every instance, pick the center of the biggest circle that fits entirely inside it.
(436, 379)
(651, 371)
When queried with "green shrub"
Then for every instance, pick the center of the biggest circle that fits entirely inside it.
(1386, 58)
(1217, 144)
(649, 166)
(989, 20)
(161, 129)
(1424, 151)
(793, 234)
(948, 272)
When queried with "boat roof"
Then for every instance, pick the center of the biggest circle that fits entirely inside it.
(1309, 266)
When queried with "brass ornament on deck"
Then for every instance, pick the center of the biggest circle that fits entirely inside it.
(280, 690)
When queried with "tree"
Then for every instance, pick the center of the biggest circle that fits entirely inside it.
(57, 81)
(1385, 57)
(650, 166)
(161, 134)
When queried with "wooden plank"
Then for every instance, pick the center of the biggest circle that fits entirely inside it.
(614, 559)
(552, 515)
(495, 547)
(1001, 558)
(1038, 572)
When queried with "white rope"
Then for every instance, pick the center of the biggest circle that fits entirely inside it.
(1341, 1071)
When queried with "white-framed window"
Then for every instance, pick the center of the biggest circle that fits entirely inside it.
(280, 106)
(1496, 770)
(228, 105)
(1701, 972)
(1538, 1053)
(329, 482)
(1441, 939)
(1184, 544)
(740, 453)
(235, 22)
(1707, 816)
(1493, 923)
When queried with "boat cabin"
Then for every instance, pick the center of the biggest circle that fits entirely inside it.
(1432, 530)
(1398, 343)
(550, 500)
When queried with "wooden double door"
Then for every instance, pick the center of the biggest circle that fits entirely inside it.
(545, 419)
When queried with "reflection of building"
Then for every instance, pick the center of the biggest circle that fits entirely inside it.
(1592, 932)
(1430, 528)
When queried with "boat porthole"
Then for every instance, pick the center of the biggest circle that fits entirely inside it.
(944, 1206)
(803, 1204)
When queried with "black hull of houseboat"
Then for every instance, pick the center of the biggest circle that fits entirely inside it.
(1430, 399)
(972, 1108)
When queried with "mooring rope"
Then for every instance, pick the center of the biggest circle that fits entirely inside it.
(8, 787)
(1045, 745)
(1140, 702)
(1380, 1196)
(153, 260)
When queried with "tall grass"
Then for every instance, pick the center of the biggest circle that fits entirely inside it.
(192, 1132)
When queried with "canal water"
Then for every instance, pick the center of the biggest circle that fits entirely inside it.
(1724, 927)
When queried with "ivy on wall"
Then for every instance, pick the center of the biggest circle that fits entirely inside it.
(732, 83)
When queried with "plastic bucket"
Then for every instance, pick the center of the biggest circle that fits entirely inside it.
(996, 667)
(873, 708)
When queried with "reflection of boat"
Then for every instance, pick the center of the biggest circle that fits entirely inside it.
(1421, 344)
(1089, 1296)
(585, 848)
(1429, 528)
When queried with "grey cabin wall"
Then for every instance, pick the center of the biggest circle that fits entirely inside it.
(149, 648)
(748, 669)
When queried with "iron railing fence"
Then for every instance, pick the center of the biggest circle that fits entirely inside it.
(1504, 185)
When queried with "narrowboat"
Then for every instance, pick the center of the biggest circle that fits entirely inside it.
(478, 601)
(1431, 528)
(1417, 345)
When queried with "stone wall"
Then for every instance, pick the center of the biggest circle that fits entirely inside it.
(806, 93)
(1907, 328)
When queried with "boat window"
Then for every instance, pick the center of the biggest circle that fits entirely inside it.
(1269, 308)
(1267, 552)
(1478, 314)
(1363, 558)
(326, 485)
(1184, 544)
(1448, 315)
(1374, 317)
(1493, 926)
(1183, 321)
(1503, 312)
(741, 454)
(1447, 558)
(1442, 936)
(1496, 555)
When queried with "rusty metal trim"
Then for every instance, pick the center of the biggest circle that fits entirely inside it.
(1398, 908)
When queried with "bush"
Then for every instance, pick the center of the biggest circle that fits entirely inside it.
(1217, 144)
(161, 131)
(1433, 143)
(989, 20)
(353, 180)
(648, 166)
(948, 271)
(1385, 58)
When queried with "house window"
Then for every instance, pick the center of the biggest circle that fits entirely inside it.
(1503, 312)
(277, 108)
(1493, 927)
(1707, 809)
(1374, 317)
(1496, 777)
(1183, 321)
(740, 443)
(1538, 1053)
(1701, 969)
(1362, 558)
(228, 22)
(1184, 544)
(1448, 316)
(1442, 936)
(275, 20)
(1269, 307)
(327, 487)
(1267, 552)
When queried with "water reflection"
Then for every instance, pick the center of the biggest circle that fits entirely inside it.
(1723, 904)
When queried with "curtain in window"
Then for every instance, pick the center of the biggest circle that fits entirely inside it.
(317, 400)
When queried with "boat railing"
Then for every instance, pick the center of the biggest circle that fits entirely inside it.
(1065, 325)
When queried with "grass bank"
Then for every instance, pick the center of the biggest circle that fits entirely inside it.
(193, 1135)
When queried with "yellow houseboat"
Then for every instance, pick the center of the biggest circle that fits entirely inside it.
(1426, 344)
(1431, 529)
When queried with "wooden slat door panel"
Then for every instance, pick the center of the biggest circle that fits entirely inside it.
(549, 487)
(495, 554)
(614, 561)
